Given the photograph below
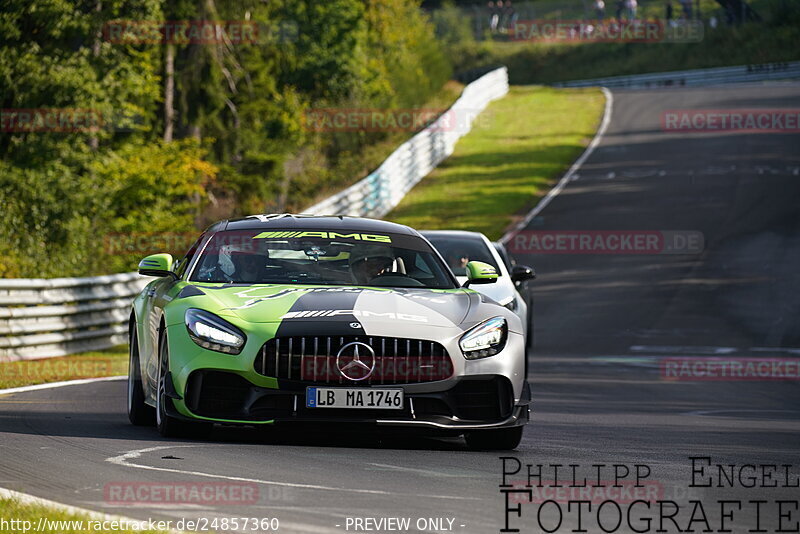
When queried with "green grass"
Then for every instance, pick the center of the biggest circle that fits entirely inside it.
(12, 509)
(517, 147)
(113, 362)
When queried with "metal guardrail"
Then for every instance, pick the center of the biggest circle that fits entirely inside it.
(383, 189)
(42, 318)
(698, 77)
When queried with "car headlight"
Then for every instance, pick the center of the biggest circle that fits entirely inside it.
(214, 333)
(486, 339)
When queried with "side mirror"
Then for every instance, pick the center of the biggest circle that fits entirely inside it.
(480, 273)
(520, 273)
(156, 265)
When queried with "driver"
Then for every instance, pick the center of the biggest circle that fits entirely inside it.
(457, 261)
(369, 261)
(237, 265)
(248, 266)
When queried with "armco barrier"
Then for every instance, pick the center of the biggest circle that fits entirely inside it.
(45, 318)
(698, 77)
(383, 189)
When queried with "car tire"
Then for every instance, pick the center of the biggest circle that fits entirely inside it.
(170, 427)
(501, 439)
(139, 413)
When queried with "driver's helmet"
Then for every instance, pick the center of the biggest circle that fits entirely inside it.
(235, 260)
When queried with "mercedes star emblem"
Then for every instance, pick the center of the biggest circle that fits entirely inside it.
(356, 361)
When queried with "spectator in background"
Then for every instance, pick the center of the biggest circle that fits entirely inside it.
(498, 15)
(493, 18)
(600, 9)
(687, 9)
(509, 17)
(620, 8)
(669, 13)
(631, 6)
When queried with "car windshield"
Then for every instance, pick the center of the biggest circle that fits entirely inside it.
(458, 251)
(349, 258)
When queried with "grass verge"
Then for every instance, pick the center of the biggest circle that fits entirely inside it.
(112, 362)
(16, 517)
(517, 147)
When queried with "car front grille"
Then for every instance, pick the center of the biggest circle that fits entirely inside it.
(313, 359)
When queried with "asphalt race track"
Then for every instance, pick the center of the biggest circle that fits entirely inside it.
(604, 325)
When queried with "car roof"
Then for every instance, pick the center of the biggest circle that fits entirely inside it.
(334, 223)
(453, 233)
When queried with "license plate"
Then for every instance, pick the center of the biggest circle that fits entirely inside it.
(386, 399)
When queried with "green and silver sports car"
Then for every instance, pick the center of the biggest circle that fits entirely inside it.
(278, 319)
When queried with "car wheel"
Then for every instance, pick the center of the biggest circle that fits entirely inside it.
(501, 439)
(170, 427)
(139, 413)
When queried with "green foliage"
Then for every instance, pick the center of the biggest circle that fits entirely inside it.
(405, 57)
(323, 62)
(454, 29)
(239, 144)
(61, 224)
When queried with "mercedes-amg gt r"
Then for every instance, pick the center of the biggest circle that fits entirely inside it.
(275, 319)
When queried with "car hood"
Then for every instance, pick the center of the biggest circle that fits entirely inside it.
(325, 305)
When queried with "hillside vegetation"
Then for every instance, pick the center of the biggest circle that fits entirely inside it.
(184, 132)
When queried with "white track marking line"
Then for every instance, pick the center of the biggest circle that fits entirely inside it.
(788, 350)
(123, 460)
(53, 385)
(27, 499)
(572, 170)
(424, 472)
(683, 349)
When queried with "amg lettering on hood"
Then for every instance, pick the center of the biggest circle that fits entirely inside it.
(263, 294)
(308, 314)
(375, 238)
